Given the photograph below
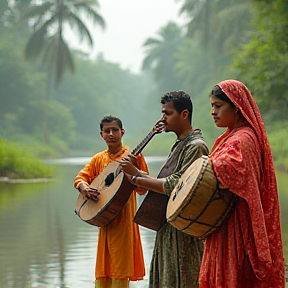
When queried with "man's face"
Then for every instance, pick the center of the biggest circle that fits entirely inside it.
(112, 134)
(171, 117)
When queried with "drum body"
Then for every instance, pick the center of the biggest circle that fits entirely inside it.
(196, 205)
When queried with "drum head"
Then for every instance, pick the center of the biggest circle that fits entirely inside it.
(187, 185)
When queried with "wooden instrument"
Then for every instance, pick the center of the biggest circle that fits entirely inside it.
(197, 206)
(115, 190)
(152, 211)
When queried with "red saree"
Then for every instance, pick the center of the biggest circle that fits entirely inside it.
(247, 250)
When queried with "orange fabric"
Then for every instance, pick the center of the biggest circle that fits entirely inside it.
(247, 251)
(112, 283)
(119, 251)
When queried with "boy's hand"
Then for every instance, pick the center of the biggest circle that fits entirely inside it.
(88, 192)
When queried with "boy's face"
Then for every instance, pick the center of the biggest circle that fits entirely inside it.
(112, 134)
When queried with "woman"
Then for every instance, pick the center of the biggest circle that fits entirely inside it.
(247, 250)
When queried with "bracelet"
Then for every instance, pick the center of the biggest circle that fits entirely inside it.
(133, 179)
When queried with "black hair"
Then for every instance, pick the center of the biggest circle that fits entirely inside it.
(109, 119)
(217, 92)
(181, 101)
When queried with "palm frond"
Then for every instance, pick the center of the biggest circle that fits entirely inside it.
(49, 20)
(82, 30)
(57, 57)
(36, 12)
(91, 14)
(35, 44)
(65, 60)
(152, 42)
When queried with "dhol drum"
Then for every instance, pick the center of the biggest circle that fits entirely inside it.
(196, 205)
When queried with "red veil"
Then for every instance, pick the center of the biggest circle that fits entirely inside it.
(247, 251)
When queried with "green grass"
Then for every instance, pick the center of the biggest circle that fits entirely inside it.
(16, 162)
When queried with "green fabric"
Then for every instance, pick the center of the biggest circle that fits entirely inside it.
(177, 256)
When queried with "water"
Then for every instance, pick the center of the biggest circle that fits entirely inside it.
(43, 244)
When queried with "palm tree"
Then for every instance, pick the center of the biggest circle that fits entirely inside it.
(161, 56)
(220, 24)
(50, 19)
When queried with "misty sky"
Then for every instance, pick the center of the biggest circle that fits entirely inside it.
(129, 24)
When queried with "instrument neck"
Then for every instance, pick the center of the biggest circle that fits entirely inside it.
(143, 143)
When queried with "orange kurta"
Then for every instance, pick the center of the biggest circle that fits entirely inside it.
(119, 251)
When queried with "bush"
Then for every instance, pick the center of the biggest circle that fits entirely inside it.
(15, 162)
(277, 138)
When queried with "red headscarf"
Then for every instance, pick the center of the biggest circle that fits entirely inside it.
(242, 161)
(239, 94)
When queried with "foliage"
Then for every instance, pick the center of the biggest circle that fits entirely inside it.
(160, 56)
(101, 88)
(20, 85)
(277, 138)
(217, 26)
(50, 18)
(16, 162)
(22, 103)
(263, 61)
(172, 61)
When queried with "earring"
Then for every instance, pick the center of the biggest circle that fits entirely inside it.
(236, 110)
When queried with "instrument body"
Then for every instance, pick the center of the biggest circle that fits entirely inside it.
(115, 190)
(111, 200)
(152, 211)
(196, 205)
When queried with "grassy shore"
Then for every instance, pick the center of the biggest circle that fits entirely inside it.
(17, 163)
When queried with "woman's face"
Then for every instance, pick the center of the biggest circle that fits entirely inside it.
(223, 113)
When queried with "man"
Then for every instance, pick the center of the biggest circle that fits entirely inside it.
(177, 256)
(119, 251)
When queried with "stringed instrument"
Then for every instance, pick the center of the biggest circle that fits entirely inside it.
(115, 190)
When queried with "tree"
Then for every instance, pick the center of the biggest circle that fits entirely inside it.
(50, 19)
(160, 56)
(263, 61)
(220, 26)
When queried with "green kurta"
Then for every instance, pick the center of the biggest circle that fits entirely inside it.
(177, 256)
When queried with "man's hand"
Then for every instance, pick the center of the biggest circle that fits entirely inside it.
(133, 159)
(127, 166)
(159, 126)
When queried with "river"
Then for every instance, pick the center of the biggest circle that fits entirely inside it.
(44, 244)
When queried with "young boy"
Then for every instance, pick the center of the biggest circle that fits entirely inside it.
(119, 252)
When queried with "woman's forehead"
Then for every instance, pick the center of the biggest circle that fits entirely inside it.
(215, 99)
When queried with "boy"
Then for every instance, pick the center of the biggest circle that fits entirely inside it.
(119, 251)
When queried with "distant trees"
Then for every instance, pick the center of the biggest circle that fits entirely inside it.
(160, 56)
(219, 26)
(49, 20)
(263, 61)
(218, 42)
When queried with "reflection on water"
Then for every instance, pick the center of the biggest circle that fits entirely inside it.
(43, 244)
